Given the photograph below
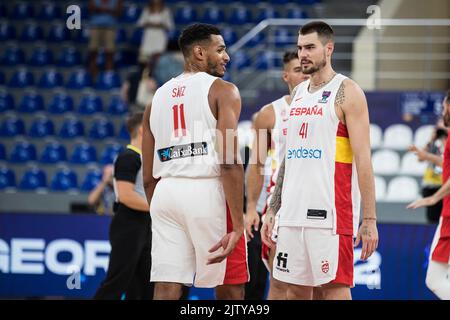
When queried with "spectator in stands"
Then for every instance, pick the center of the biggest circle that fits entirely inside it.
(156, 19)
(138, 89)
(432, 178)
(102, 196)
(103, 23)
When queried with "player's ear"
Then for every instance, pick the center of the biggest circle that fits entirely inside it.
(330, 48)
(285, 76)
(199, 52)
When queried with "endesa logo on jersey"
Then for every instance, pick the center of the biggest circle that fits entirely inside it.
(306, 111)
(304, 153)
(183, 151)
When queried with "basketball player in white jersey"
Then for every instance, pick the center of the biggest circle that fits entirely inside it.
(193, 176)
(437, 279)
(271, 128)
(326, 169)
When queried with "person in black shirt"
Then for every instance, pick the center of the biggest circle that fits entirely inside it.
(130, 231)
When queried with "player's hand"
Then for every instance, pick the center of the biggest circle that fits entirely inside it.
(228, 243)
(267, 227)
(251, 220)
(107, 173)
(424, 202)
(368, 233)
(421, 154)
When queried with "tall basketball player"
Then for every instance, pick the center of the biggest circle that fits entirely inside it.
(270, 125)
(439, 262)
(327, 168)
(193, 176)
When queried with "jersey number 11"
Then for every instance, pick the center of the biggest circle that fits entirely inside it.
(179, 110)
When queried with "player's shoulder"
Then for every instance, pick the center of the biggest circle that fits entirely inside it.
(265, 117)
(350, 85)
(224, 87)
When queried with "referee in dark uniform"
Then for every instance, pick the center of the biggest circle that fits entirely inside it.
(129, 267)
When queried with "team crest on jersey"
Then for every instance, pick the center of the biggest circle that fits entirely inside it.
(325, 96)
(325, 266)
(183, 151)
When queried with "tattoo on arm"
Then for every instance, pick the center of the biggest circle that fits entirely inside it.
(340, 96)
(275, 203)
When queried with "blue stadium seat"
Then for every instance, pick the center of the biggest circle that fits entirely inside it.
(101, 128)
(229, 35)
(110, 152)
(265, 61)
(256, 40)
(116, 107)
(6, 101)
(123, 133)
(69, 57)
(49, 11)
(83, 153)
(41, 56)
(121, 36)
(185, 15)
(64, 180)
(7, 31)
(297, 13)
(2, 152)
(21, 79)
(13, 56)
(240, 15)
(213, 15)
(42, 127)
(3, 10)
(130, 13)
(174, 34)
(136, 36)
(22, 10)
(32, 32)
(31, 102)
(266, 12)
(91, 180)
(240, 60)
(283, 37)
(82, 36)
(23, 151)
(51, 79)
(90, 103)
(54, 152)
(12, 126)
(71, 128)
(58, 33)
(108, 80)
(7, 178)
(2, 78)
(34, 178)
(79, 79)
(61, 103)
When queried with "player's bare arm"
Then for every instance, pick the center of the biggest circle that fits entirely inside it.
(443, 191)
(352, 110)
(148, 146)
(263, 123)
(275, 205)
(423, 155)
(226, 97)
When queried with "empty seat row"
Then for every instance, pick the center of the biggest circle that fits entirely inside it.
(63, 180)
(54, 152)
(399, 136)
(61, 102)
(71, 128)
(51, 79)
(388, 162)
(400, 189)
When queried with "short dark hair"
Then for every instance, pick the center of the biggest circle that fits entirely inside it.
(289, 56)
(133, 122)
(196, 33)
(324, 30)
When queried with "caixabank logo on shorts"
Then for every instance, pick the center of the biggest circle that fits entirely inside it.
(282, 260)
(183, 151)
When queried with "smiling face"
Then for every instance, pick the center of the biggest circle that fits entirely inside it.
(314, 53)
(216, 56)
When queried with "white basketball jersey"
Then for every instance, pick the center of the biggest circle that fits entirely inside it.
(184, 128)
(320, 188)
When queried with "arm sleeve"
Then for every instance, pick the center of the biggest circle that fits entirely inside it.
(126, 167)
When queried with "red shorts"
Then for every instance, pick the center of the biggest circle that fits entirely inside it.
(441, 242)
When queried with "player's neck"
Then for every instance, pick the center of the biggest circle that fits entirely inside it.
(192, 67)
(137, 143)
(321, 78)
